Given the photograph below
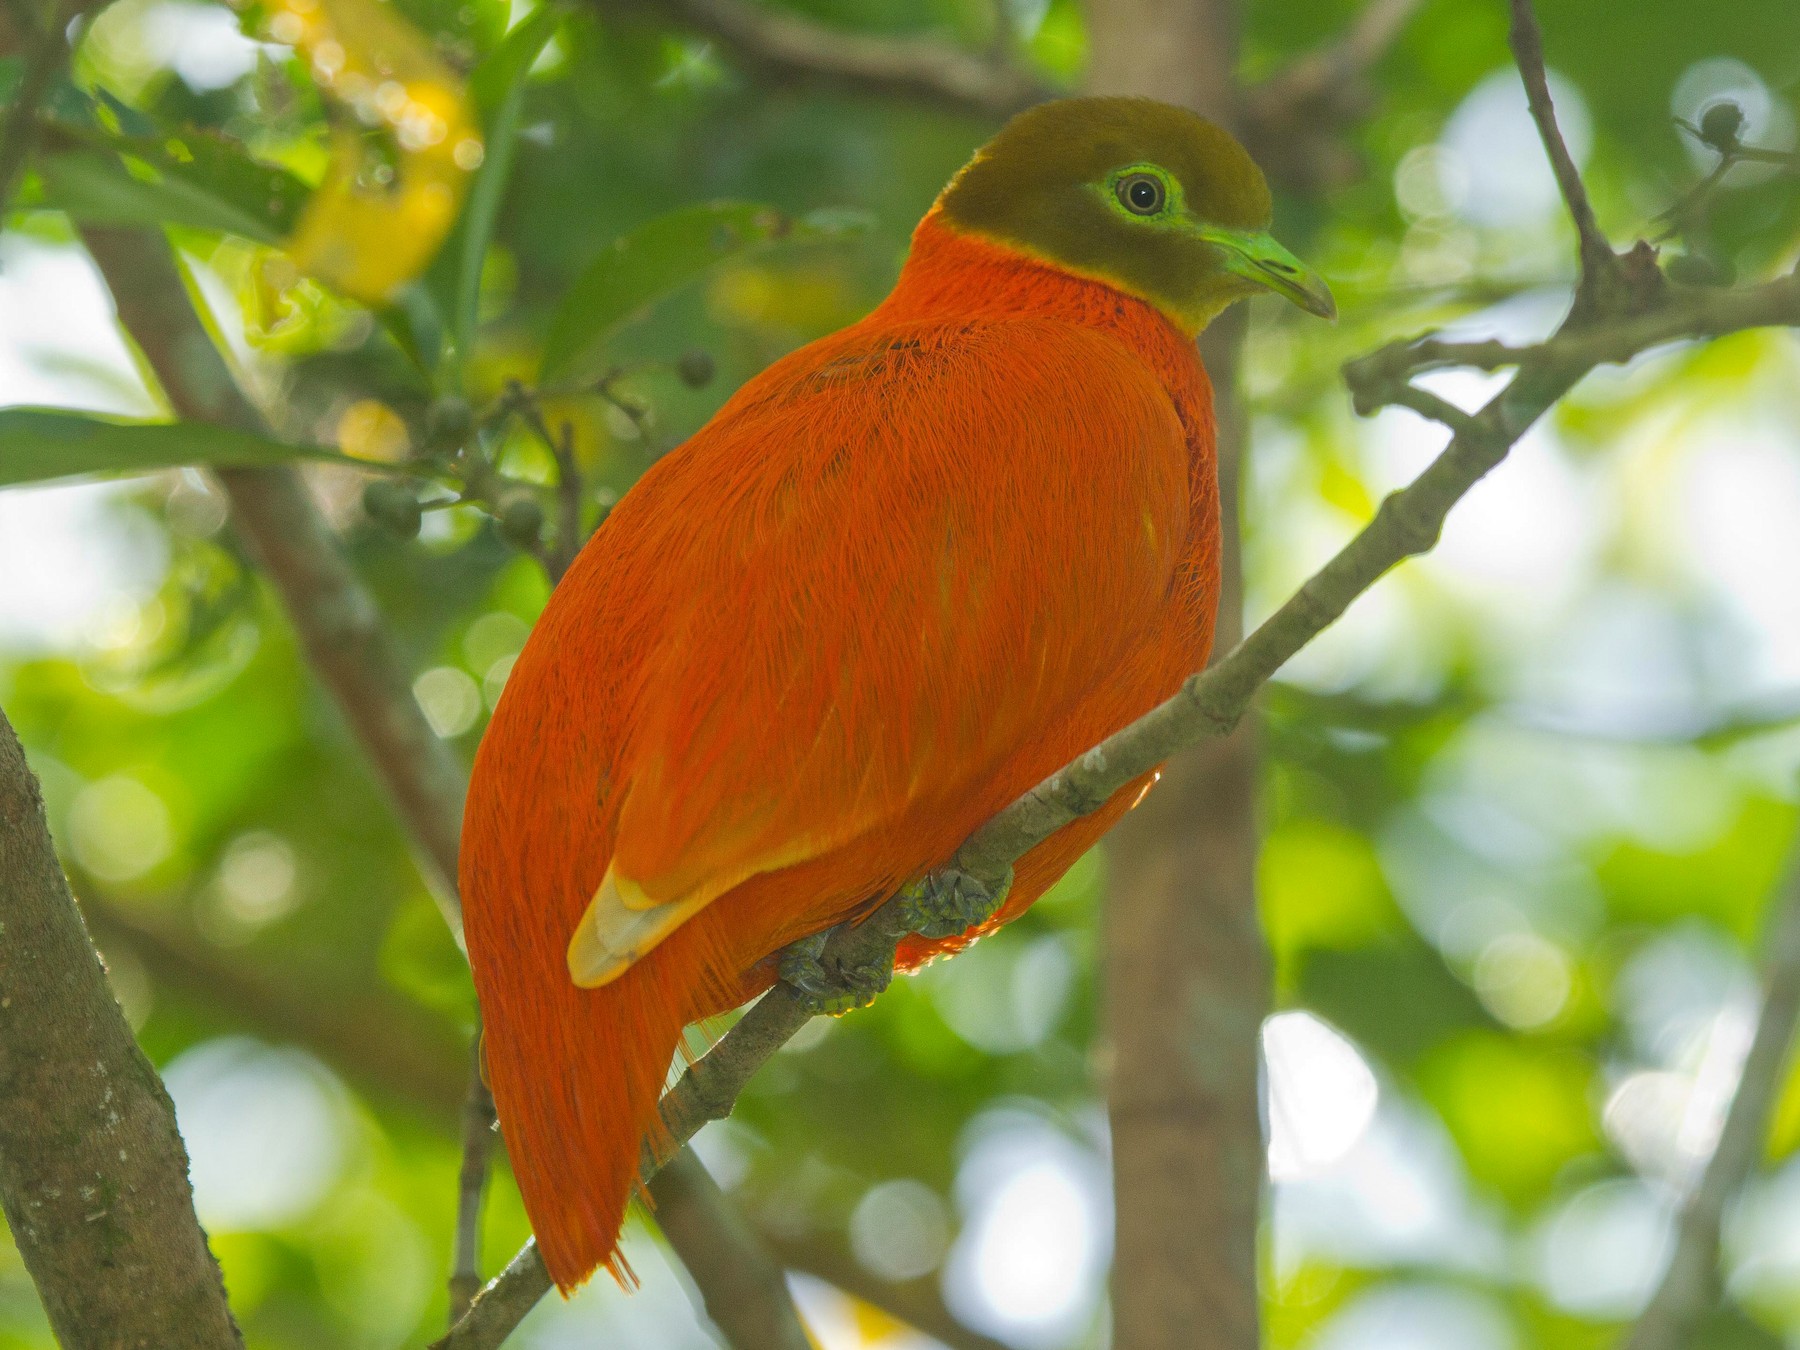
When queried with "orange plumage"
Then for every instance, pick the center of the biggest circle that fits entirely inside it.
(901, 576)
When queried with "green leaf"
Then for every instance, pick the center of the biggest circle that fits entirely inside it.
(657, 258)
(416, 324)
(504, 69)
(37, 444)
(224, 170)
(96, 188)
(498, 88)
(193, 177)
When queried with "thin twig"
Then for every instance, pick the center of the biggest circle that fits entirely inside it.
(556, 555)
(1429, 405)
(1597, 257)
(1294, 121)
(1372, 34)
(1691, 206)
(1690, 1284)
(477, 1144)
(1689, 212)
(1379, 371)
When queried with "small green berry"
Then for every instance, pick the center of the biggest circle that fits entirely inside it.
(393, 506)
(1721, 125)
(522, 520)
(695, 367)
(449, 422)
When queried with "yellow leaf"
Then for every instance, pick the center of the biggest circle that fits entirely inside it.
(369, 231)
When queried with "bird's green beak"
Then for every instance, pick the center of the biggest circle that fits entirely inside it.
(1256, 257)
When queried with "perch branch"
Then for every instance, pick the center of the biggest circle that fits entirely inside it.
(93, 1174)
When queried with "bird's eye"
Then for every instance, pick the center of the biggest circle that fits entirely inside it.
(1141, 194)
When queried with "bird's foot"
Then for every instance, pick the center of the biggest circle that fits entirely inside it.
(832, 991)
(948, 903)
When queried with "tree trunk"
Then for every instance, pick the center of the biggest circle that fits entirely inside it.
(1186, 968)
(93, 1175)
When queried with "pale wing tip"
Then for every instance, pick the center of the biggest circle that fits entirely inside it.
(613, 933)
(591, 963)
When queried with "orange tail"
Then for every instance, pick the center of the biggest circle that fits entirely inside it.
(577, 1074)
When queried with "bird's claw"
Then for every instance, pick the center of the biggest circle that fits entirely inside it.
(829, 992)
(948, 903)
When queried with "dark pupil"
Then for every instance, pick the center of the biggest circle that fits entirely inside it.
(1143, 194)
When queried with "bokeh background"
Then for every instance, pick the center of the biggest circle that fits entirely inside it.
(1523, 809)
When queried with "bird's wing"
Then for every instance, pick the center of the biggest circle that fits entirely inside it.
(884, 566)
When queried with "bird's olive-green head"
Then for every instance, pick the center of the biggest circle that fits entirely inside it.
(1142, 195)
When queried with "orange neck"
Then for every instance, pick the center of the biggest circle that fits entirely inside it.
(950, 274)
(953, 277)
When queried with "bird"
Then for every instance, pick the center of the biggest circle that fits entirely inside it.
(902, 575)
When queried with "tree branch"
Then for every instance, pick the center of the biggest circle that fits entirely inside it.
(787, 45)
(1178, 922)
(1317, 93)
(339, 627)
(1690, 1283)
(49, 53)
(93, 1175)
(385, 1044)
(746, 1293)
(1695, 314)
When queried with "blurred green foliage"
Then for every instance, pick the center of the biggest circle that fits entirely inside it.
(1520, 828)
